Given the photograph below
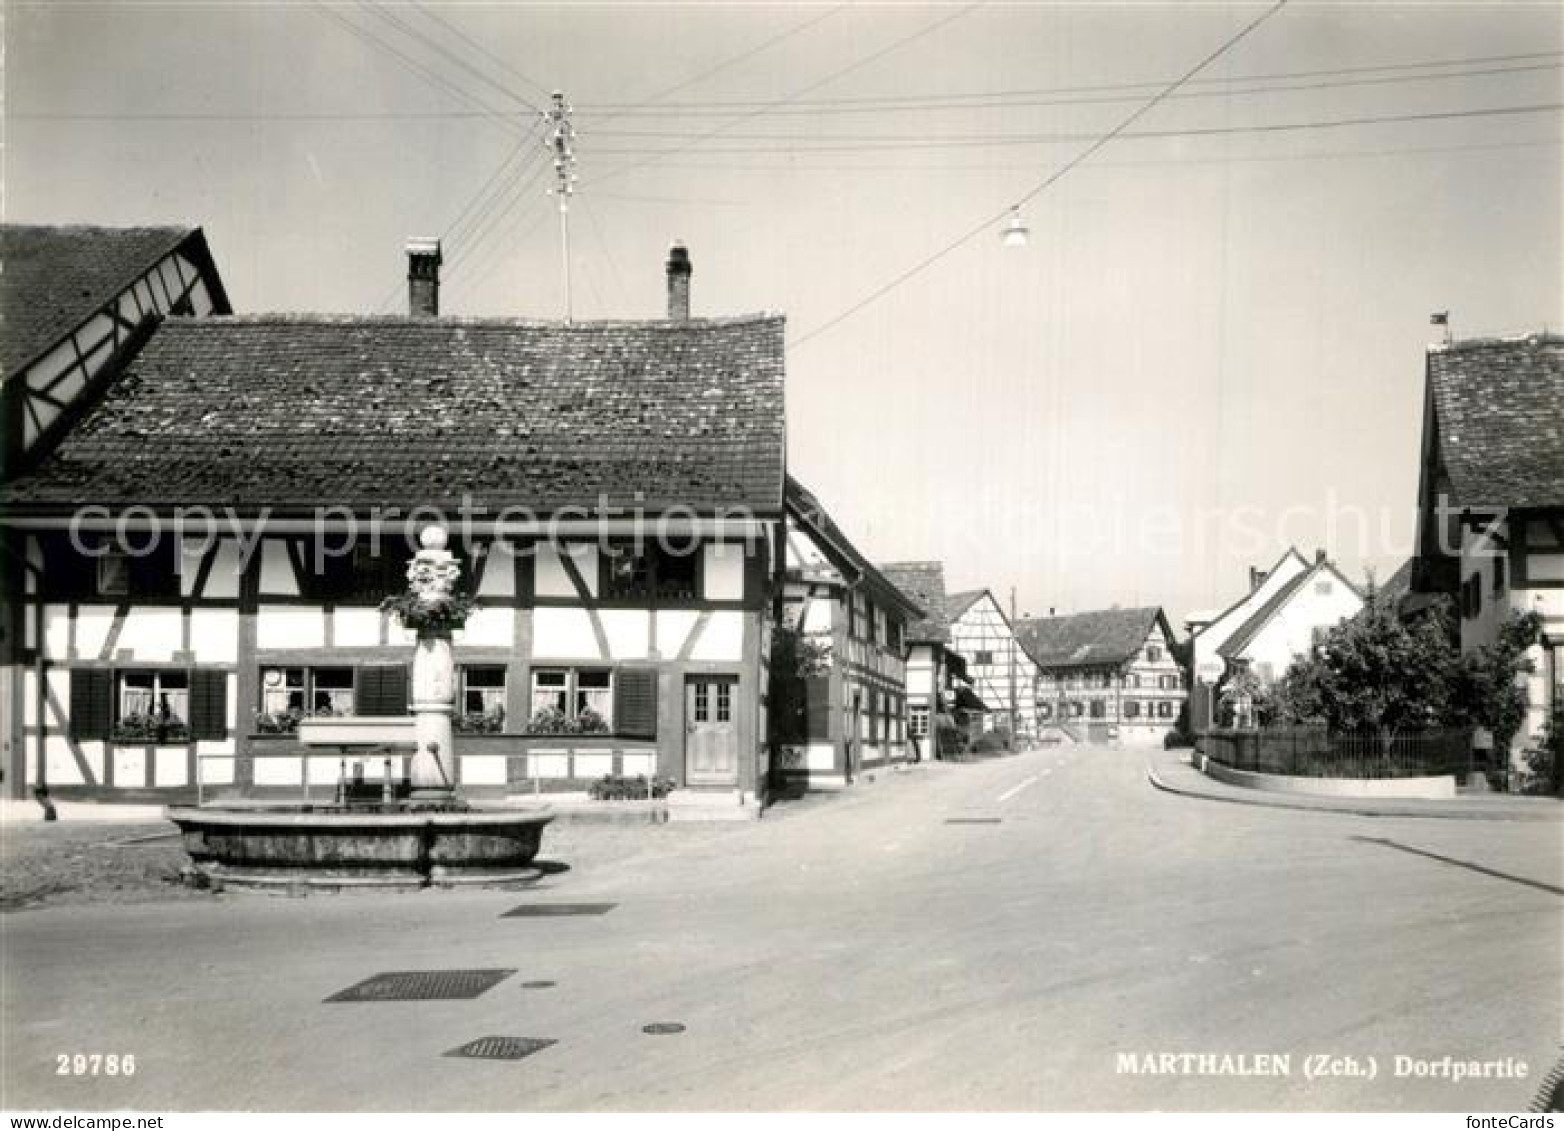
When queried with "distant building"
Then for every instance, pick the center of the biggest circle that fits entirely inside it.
(937, 681)
(1490, 529)
(1285, 613)
(855, 714)
(1002, 674)
(1104, 676)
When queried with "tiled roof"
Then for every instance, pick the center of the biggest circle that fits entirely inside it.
(1107, 636)
(54, 278)
(1499, 408)
(294, 411)
(1398, 584)
(924, 582)
(956, 604)
(803, 503)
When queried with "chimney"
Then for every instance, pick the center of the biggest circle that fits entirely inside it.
(679, 271)
(423, 277)
(1256, 578)
(1319, 557)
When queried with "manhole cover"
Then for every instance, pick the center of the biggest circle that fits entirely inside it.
(972, 820)
(501, 1048)
(423, 985)
(662, 1028)
(540, 984)
(550, 910)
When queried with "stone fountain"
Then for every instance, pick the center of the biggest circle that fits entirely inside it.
(433, 837)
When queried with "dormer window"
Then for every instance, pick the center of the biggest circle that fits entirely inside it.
(114, 574)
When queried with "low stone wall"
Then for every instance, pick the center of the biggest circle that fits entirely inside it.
(1424, 789)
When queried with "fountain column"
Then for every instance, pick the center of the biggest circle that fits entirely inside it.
(431, 577)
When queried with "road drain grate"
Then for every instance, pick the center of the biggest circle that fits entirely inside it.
(662, 1028)
(552, 910)
(501, 1048)
(972, 820)
(423, 985)
(540, 984)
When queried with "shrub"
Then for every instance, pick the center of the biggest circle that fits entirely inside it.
(1543, 761)
(138, 728)
(617, 787)
(1178, 740)
(491, 721)
(992, 742)
(551, 720)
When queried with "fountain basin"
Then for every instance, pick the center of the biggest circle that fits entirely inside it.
(338, 847)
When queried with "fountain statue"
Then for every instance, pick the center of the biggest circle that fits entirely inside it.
(432, 837)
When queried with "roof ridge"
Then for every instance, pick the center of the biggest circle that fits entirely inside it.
(308, 318)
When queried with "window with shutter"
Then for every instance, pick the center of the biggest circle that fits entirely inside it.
(92, 702)
(635, 702)
(382, 690)
(208, 703)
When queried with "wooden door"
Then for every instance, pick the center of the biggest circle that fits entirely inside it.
(711, 740)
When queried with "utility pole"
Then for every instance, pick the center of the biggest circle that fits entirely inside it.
(561, 142)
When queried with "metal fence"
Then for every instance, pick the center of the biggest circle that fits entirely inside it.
(1314, 752)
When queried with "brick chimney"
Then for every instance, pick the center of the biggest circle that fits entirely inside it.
(423, 277)
(679, 271)
(1257, 577)
(1319, 557)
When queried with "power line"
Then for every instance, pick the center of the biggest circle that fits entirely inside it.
(998, 103)
(430, 14)
(1047, 182)
(816, 85)
(886, 143)
(427, 41)
(413, 65)
(915, 104)
(1144, 88)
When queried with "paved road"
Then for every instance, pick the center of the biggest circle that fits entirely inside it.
(855, 953)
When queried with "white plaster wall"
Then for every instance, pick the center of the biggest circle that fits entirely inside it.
(290, 626)
(627, 631)
(278, 771)
(130, 767)
(30, 698)
(56, 632)
(563, 634)
(723, 638)
(151, 633)
(277, 578)
(488, 627)
(1290, 633)
(639, 764)
(172, 767)
(550, 578)
(819, 756)
(92, 630)
(548, 765)
(724, 571)
(214, 635)
(499, 572)
(355, 628)
(817, 615)
(481, 769)
(673, 629)
(223, 584)
(61, 765)
(593, 765)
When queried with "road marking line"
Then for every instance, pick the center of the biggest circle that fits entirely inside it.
(1013, 790)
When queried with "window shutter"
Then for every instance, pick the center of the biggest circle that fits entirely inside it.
(92, 702)
(382, 690)
(635, 702)
(817, 706)
(208, 703)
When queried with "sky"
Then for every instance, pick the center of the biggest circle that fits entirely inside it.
(1212, 346)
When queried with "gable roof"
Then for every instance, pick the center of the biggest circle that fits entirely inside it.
(1210, 625)
(289, 411)
(1235, 644)
(804, 506)
(924, 582)
(56, 277)
(956, 604)
(1498, 408)
(1105, 636)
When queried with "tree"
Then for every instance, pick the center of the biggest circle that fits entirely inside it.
(796, 658)
(1373, 673)
(1486, 690)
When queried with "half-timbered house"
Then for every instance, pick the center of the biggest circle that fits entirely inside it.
(855, 715)
(76, 304)
(242, 495)
(1491, 499)
(1106, 676)
(1002, 673)
(938, 690)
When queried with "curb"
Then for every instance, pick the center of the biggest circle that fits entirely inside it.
(1270, 802)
